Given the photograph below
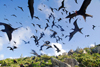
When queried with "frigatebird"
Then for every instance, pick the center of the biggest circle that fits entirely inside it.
(20, 8)
(31, 8)
(93, 27)
(46, 26)
(54, 34)
(8, 29)
(76, 29)
(81, 11)
(34, 52)
(62, 5)
(58, 50)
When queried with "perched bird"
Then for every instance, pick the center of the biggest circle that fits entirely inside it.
(82, 10)
(57, 48)
(20, 8)
(76, 29)
(31, 8)
(8, 29)
(14, 61)
(62, 5)
(34, 52)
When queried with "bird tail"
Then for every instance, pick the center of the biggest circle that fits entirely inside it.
(87, 15)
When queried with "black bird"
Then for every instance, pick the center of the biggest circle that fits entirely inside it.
(8, 29)
(14, 61)
(36, 17)
(33, 24)
(6, 19)
(20, 8)
(35, 39)
(54, 34)
(46, 44)
(39, 26)
(31, 8)
(93, 27)
(59, 19)
(51, 9)
(34, 52)
(14, 47)
(48, 20)
(41, 35)
(57, 48)
(10, 48)
(86, 35)
(46, 26)
(76, 1)
(61, 28)
(62, 6)
(26, 42)
(81, 11)
(76, 29)
(14, 15)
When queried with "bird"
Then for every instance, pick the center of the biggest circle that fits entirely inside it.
(8, 29)
(33, 24)
(14, 15)
(93, 27)
(76, 29)
(51, 9)
(46, 26)
(54, 33)
(31, 8)
(20, 8)
(21, 65)
(41, 35)
(61, 28)
(76, 1)
(26, 42)
(36, 17)
(39, 26)
(34, 52)
(81, 11)
(58, 50)
(62, 6)
(10, 48)
(14, 61)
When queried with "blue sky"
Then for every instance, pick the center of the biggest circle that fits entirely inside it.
(78, 40)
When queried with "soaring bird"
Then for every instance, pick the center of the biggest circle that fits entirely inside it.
(76, 29)
(93, 27)
(10, 48)
(76, 1)
(34, 52)
(58, 50)
(31, 8)
(46, 26)
(20, 8)
(82, 10)
(62, 6)
(8, 29)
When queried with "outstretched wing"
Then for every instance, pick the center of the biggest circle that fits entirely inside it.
(9, 35)
(85, 5)
(71, 35)
(76, 1)
(71, 15)
(31, 8)
(75, 24)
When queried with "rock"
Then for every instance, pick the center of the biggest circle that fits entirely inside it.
(65, 53)
(71, 62)
(57, 63)
(70, 52)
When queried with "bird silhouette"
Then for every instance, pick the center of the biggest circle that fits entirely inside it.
(81, 11)
(76, 1)
(20, 8)
(31, 8)
(93, 27)
(10, 48)
(36, 17)
(34, 52)
(57, 48)
(26, 42)
(54, 34)
(8, 29)
(46, 26)
(76, 29)
(62, 5)
(14, 61)
(14, 15)
(41, 35)
(39, 25)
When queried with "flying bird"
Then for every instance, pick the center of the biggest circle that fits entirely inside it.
(34, 52)
(36, 17)
(58, 50)
(8, 29)
(14, 15)
(62, 5)
(93, 27)
(76, 29)
(31, 8)
(26, 42)
(46, 26)
(81, 11)
(20, 8)
(76, 1)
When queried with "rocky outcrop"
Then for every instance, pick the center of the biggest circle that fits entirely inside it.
(71, 62)
(57, 63)
(70, 52)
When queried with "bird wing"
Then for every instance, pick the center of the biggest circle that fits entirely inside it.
(71, 15)
(76, 1)
(9, 35)
(75, 24)
(31, 8)
(84, 5)
(71, 35)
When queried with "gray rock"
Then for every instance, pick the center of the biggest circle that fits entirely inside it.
(57, 63)
(70, 52)
(71, 62)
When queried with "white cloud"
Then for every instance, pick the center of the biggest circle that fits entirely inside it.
(60, 48)
(1, 43)
(92, 45)
(19, 35)
(1, 57)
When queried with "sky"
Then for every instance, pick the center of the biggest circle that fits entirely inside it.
(8, 8)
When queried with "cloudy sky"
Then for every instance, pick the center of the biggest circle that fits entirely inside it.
(23, 18)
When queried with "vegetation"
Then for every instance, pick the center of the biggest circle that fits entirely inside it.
(89, 59)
